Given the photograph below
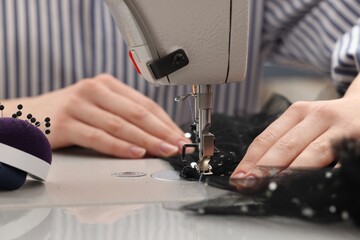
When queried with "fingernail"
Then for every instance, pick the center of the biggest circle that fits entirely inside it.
(137, 151)
(250, 181)
(182, 143)
(238, 175)
(168, 149)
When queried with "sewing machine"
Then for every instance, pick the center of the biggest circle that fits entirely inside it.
(198, 43)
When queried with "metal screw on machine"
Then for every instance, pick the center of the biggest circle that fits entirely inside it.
(178, 59)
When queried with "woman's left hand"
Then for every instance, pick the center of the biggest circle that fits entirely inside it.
(303, 136)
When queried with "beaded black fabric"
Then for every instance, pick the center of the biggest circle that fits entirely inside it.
(233, 135)
(320, 195)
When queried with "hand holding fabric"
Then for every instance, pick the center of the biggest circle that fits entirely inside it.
(106, 115)
(303, 136)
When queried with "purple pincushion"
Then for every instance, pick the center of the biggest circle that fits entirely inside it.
(26, 137)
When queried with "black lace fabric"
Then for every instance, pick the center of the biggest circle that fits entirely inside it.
(320, 195)
(233, 135)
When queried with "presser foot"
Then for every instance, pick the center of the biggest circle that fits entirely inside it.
(202, 166)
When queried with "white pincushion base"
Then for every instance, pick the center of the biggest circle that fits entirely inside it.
(34, 166)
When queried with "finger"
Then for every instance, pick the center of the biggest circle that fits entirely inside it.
(122, 129)
(289, 146)
(86, 136)
(319, 153)
(124, 90)
(266, 139)
(138, 115)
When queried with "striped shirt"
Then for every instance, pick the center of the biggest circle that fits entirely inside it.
(50, 44)
(320, 35)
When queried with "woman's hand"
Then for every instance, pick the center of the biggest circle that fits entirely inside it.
(104, 114)
(303, 136)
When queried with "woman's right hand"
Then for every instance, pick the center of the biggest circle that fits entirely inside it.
(106, 115)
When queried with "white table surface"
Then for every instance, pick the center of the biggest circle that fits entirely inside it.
(82, 200)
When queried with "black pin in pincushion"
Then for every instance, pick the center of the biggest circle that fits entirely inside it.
(24, 150)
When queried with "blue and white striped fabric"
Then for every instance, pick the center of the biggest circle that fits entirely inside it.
(49, 44)
(321, 35)
(346, 59)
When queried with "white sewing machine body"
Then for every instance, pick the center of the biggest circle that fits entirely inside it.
(212, 33)
(198, 43)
